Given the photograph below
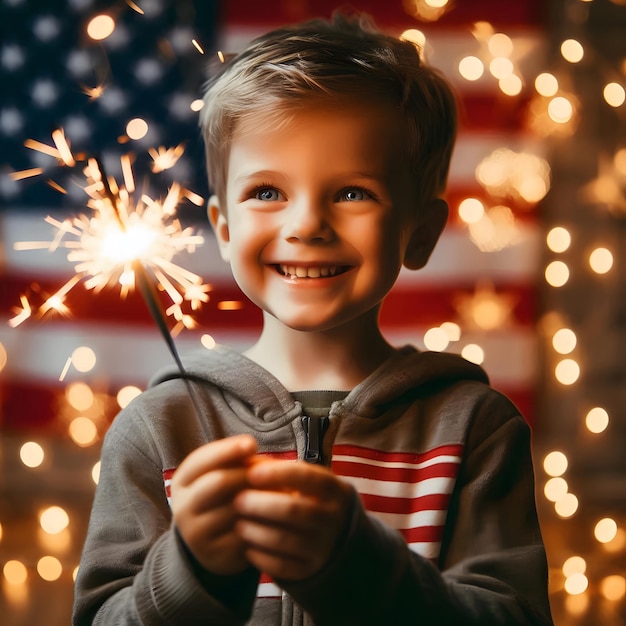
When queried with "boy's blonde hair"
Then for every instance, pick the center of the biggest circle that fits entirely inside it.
(345, 57)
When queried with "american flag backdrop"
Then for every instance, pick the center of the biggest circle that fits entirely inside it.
(54, 76)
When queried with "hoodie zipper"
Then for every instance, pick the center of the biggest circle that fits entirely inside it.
(314, 429)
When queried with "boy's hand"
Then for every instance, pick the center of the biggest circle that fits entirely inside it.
(203, 489)
(292, 517)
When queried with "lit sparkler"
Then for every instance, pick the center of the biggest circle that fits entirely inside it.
(128, 239)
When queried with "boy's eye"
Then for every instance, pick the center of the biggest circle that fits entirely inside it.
(353, 194)
(267, 194)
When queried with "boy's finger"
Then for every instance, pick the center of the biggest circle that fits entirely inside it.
(289, 476)
(212, 489)
(217, 454)
(289, 510)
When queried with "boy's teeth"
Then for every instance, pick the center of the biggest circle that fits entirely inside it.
(307, 272)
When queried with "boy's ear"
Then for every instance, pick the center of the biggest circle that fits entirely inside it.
(220, 227)
(426, 233)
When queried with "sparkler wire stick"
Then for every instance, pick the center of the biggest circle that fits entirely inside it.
(150, 296)
(146, 287)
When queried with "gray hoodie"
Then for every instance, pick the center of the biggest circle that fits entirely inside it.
(443, 529)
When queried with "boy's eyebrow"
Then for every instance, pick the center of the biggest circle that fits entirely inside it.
(245, 176)
(255, 174)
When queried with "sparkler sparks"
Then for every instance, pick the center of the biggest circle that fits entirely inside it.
(197, 46)
(94, 92)
(165, 158)
(128, 239)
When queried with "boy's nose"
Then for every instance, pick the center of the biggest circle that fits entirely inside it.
(307, 221)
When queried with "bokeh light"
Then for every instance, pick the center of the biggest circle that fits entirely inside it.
(471, 210)
(576, 583)
(558, 239)
(415, 36)
(436, 339)
(137, 128)
(197, 105)
(572, 50)
(574, 565)
(473, 353)
(567, 371)
(15, 572)
(511, 85)
(32, 454)
(471, 68)
(566, 505)
(452, 329)
(95, 472)
(560, 110)
(557, 273)
(546, 84)
(53, 520)
(79, 395)
(126, 395)
(500, 45)
(613, 587)
(555, 488)
(614, 94)
(605, 530)
(555, 463)
(100, 27)
(597, 420)
(564, 340)
(499, 67)
(83, 359)
(601, 260)
(208, 341)
(83, 431)
(49, 568)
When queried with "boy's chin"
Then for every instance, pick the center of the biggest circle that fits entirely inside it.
(316, 322)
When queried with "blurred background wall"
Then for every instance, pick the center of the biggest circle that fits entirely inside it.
(528, 279)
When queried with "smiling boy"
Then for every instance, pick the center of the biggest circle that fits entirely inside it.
(320, 216)
(330, 477)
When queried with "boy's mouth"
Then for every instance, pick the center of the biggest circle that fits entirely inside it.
(321, 271)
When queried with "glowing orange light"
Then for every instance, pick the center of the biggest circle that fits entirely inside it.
(33, 171)
(122, 231)
(100, 27)
(230, 305)
(134, 7)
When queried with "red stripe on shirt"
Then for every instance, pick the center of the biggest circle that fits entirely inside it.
(394, 474)
(396, 457)
(405, 506)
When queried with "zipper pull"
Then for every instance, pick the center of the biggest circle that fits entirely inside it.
(314, 429)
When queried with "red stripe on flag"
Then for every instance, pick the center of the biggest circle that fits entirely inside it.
(27, 405)
(253, 13)
(431, 304)
(405, 306)
(492, 112)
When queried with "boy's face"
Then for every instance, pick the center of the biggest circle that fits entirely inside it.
(319, 213)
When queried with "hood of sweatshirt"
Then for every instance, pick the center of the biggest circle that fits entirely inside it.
(407, 371)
